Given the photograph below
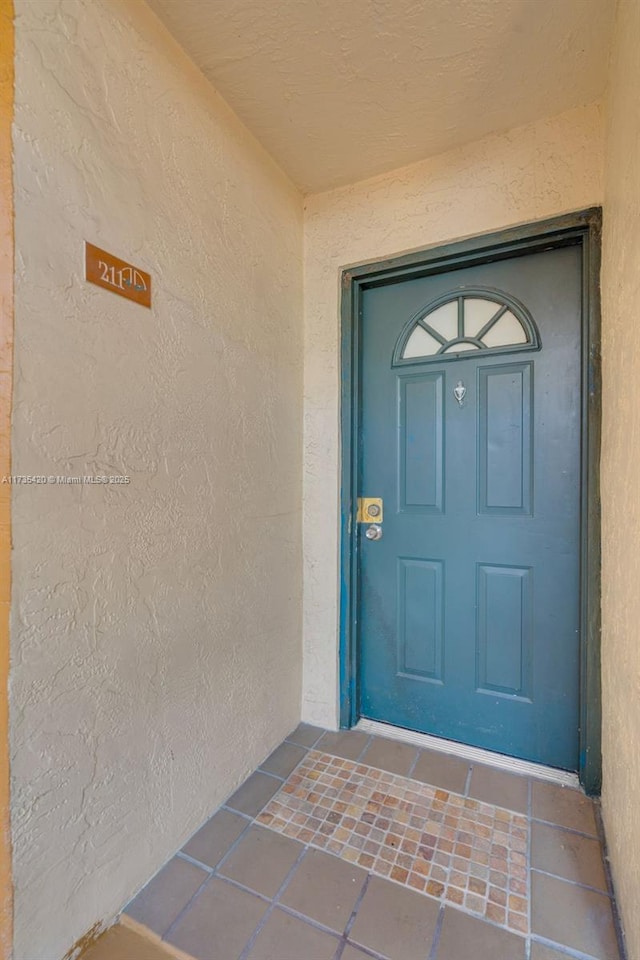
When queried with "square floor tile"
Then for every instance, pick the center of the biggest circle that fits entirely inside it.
(219, 923)
(284, 759)
(441, 770)
(564, 806)
(463, 936)
(346, 743)
(163, 898)
(213, 840)
(567, 855)
(390, 755)
(261, 860)
(541, 952)
(394, 921)
(352, 953)
(325, 889)
(254, 793)
(284, 937)
(572, 916)
(499, 787)
(305, 735)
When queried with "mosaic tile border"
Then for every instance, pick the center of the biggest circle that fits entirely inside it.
(467, 853)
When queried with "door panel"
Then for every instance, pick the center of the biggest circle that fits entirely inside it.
(469, 605)
(421, 446)
(420, 620)
(505, 439)
(504, 630)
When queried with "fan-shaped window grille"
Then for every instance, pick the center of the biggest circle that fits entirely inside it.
(466, 321)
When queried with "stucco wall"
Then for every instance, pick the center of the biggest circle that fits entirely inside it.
(533, 172)
(620, 472)
(6, 363)
(156, 649)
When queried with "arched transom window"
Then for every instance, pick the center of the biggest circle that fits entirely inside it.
(465, 321)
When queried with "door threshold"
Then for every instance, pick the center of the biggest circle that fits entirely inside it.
(512, 764)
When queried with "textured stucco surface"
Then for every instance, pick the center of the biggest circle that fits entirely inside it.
(156, 648)
(342, 91)
(533, 172)
(620, 472)
(6, 364)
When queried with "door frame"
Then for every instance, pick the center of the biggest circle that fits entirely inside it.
(584, 229)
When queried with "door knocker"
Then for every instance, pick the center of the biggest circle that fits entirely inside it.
(460, 392)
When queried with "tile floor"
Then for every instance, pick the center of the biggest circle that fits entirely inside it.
(344, 846)
(452, 847)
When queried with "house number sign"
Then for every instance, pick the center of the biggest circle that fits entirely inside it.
(117, 275)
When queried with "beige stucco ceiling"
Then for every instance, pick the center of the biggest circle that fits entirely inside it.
(340, 90)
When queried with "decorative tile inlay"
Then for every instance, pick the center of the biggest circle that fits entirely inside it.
(472, 855)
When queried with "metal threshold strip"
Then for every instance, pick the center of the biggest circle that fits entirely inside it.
(512, 764)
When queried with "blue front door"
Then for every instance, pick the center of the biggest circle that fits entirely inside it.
(470, 433)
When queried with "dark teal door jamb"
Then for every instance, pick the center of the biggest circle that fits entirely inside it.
(583, 228)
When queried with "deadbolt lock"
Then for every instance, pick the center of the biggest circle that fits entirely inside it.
(370, 510)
